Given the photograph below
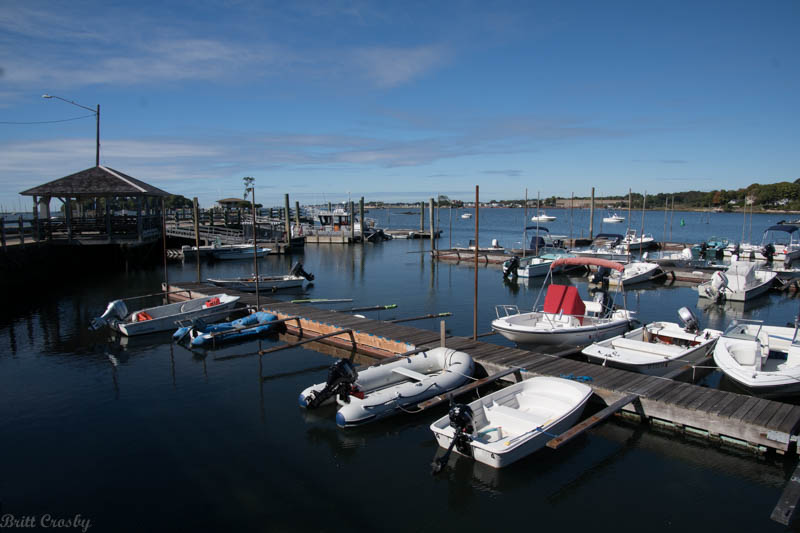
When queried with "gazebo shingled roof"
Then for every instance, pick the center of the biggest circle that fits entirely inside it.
(95, 181)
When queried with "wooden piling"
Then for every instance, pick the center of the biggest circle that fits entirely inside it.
(286, 220)
(433, 230)
(591, 217)
(363, 221)
(475, 296)
(196, 217)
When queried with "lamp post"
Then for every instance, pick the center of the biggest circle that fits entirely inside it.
(97, 114)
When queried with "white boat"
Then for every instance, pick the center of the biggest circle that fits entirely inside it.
(238, 251)
(613, 219)
(779, 242)
(564, 318)
(526, 267)
(466, 215)
(162, 317)
(635, 272)
(683, 259)
(657, 347)
(764, 360)
(634, 242)
(739, 283)
(605, 246)
(543, 217)
(385, 389)
(295, 278)
(514, 422)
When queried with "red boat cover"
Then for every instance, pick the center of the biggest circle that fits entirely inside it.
(586, 261)
(562, 298)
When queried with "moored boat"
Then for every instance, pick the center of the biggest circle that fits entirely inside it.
(162, 317)
(238, 251)
(613, 218)
(385, 389)
(199, 334)
(739, 283)
(635, 272)
(564, 318)
(295, 278)
(657, 347)
(763, 360)
(512, 423)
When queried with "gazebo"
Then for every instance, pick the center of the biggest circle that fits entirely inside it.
(100, 206)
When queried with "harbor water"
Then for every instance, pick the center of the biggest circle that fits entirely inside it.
(138, 434)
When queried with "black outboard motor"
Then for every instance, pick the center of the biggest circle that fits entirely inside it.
(462, 421)
(768, 252)
(510, 267)
(601, 275)
(297, 270)
(342, 376)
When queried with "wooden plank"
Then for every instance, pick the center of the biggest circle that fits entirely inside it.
(590, 422)
(726, 401)
(676, 393)
(746, 406)
(759, 408)
(695, 404)
(766, 414)
(647, 387)
(691, 395)
(779, 415)
(785, 509)
(660, 392)
(304, 341)
(791, 422)
(640, 378)
(436, 400)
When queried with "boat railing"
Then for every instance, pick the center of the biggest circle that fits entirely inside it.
(505, 310)
(738, 329)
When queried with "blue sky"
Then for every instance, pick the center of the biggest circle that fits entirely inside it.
(403, 100)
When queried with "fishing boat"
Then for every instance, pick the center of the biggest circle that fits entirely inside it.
(683, 259)
(385, 389)
(635, 272)
(466, 215)
(543, 217)
(564, 319)
(605, 246)
(511, 423)
(713, 247)
(657, 347)
(779, 242)
(234, 252)
(295, 278)
(763, 360)
(613, 218)
(740, 282)
(634, 242)
(200, 334)
(162, 317)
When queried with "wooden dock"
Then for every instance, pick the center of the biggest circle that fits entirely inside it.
(731, 418)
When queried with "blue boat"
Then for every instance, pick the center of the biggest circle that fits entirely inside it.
(205, 335)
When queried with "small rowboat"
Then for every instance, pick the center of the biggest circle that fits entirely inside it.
(514, 422)
(383, 390)
(205, 335)
(162, 317)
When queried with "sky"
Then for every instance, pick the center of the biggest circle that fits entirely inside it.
(401, 101)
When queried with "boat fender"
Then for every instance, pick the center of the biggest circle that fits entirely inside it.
(211, 303)
(342, 377)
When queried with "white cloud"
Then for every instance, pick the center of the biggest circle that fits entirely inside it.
(389, 67)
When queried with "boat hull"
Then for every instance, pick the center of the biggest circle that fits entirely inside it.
(264, 284)
(171, 321)
(514, 422)
(580, 336)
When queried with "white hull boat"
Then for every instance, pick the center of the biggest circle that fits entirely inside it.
(238, 251)
(656, 348)
(564, 319)
(636, 272)
(293, 279)
(763, 360)
(613, 219)
(634, 242)
(385, 389)
(514, 422)
(466, 215)
(779, 243)
(741, 282)
(162, 317)
(544, 217)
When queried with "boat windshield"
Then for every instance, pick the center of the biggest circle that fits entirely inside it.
(744, 329)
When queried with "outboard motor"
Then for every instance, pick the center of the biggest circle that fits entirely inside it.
(601, 275)
(690, 322)
(462, 420)
(342, 377)
(604, 300)
(703, 249)
(297, 270)
(768, 252)
(116, 310)
(719, 281)
(510, 267)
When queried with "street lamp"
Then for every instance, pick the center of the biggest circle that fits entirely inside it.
(97, 114)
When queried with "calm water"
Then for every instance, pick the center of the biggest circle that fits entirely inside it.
(146, 436)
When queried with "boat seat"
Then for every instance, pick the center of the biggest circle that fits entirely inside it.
(655, 348)
(792, 358)
(514, 420)
(409, 373)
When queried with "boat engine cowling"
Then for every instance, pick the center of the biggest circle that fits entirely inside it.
(116, 310)
(768, 252)
(690, 322)
(342, 376)
(719, 281)
(462, 420)
(297, 270)
(510, 267)
(600, 275)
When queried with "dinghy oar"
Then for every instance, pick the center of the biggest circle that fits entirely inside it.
(321, 300)
(371, 308)
(304, 341)
(423, 317)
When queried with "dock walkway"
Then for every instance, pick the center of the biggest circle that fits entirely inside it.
(731, 418)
